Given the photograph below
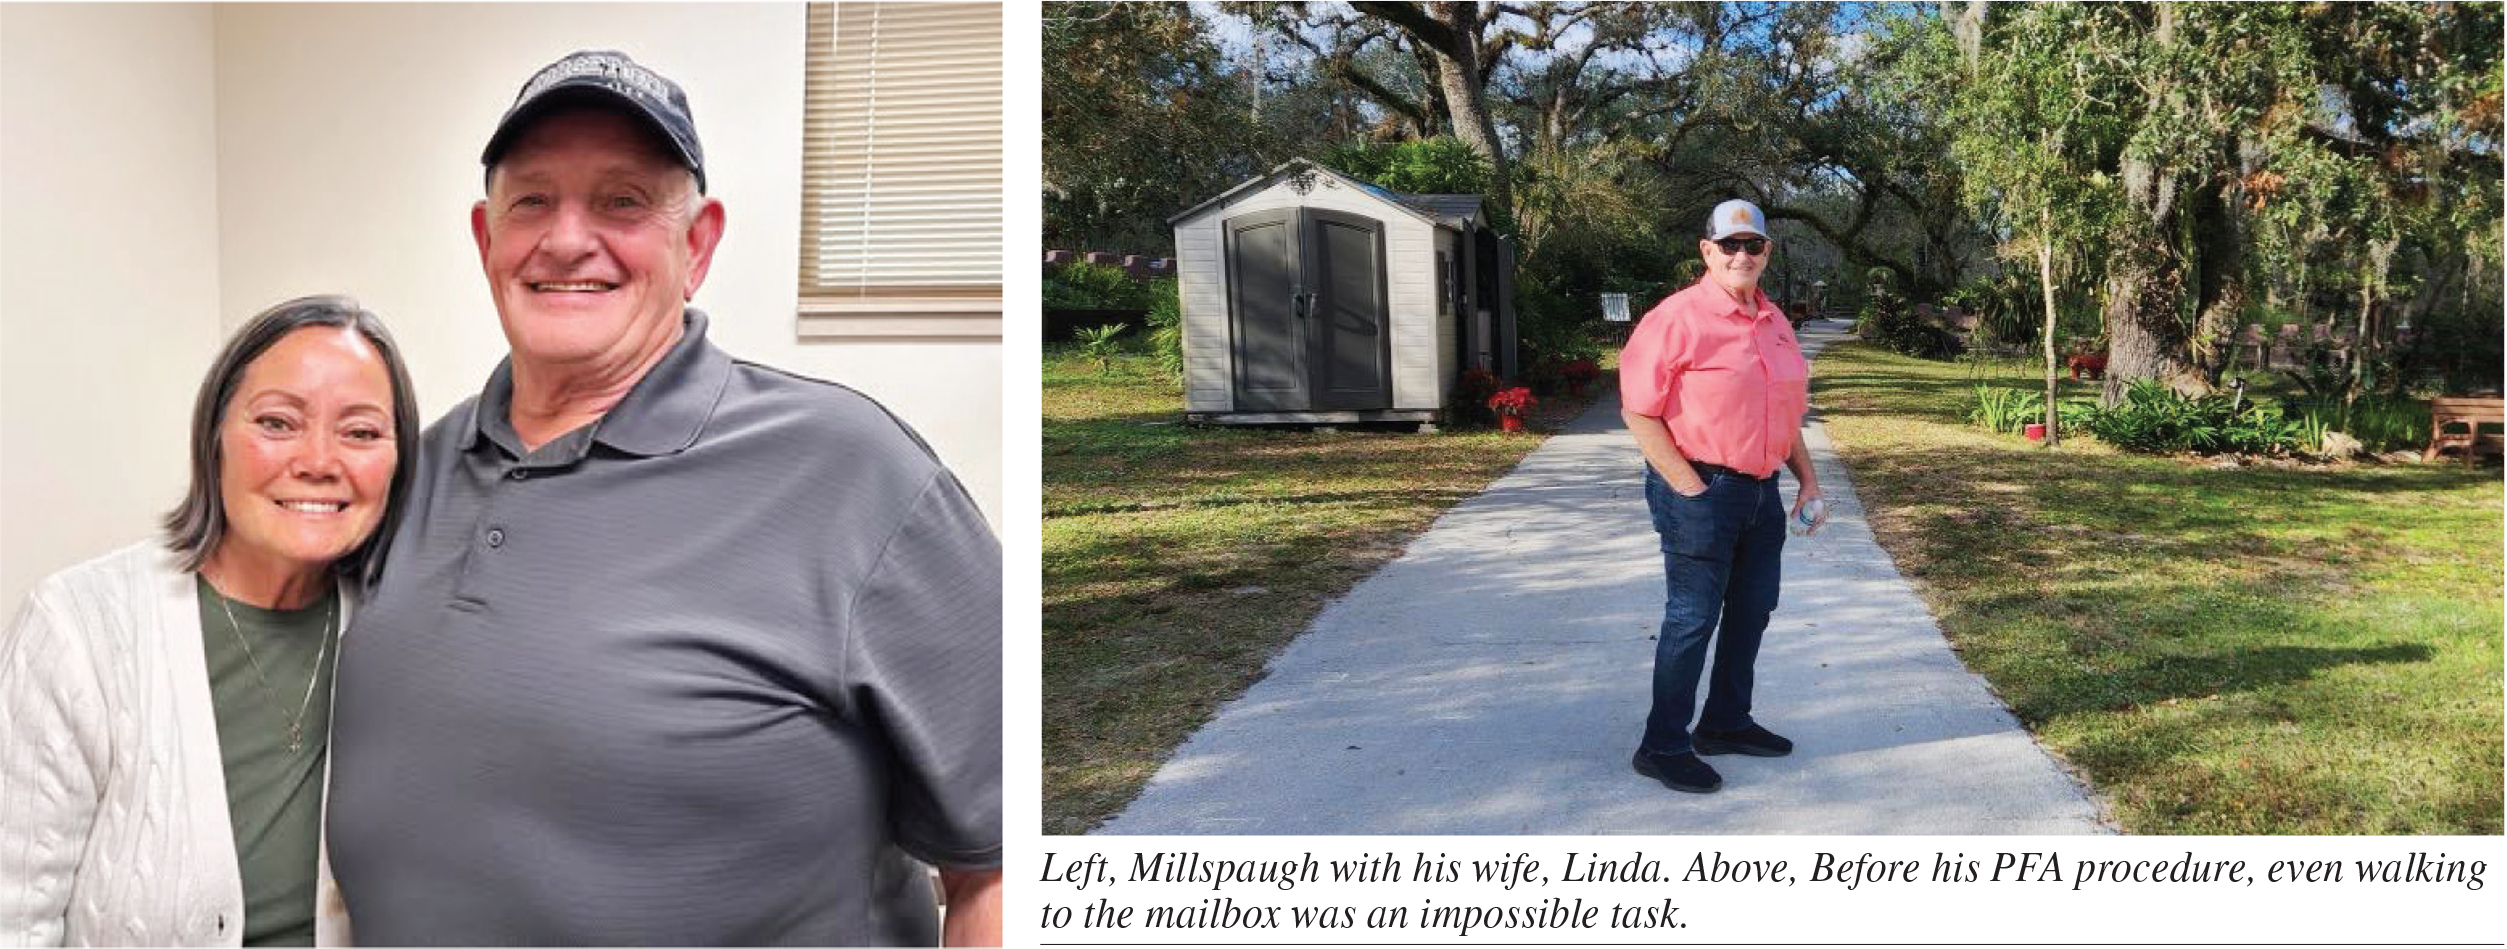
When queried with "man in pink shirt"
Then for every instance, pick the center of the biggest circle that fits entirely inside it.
(1713, 386)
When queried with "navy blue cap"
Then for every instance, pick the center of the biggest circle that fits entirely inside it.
(603, 76)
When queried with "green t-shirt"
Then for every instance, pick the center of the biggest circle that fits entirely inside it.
(273, 793)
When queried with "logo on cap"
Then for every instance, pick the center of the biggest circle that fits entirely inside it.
(648, 94)
(1739, 217)
(622, 75)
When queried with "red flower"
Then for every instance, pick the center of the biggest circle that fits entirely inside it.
(1515, 401)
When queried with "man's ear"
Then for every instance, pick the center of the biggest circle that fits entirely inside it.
(478, 228)
(704, 234)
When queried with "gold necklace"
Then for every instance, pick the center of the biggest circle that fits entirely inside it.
(295, 728)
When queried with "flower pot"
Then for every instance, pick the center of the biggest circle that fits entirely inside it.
(2036, 431)
(1510, 423)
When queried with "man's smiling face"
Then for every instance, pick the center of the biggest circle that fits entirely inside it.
(589, 240)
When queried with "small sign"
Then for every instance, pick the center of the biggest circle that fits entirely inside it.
(1615, 307)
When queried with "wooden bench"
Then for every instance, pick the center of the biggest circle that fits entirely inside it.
(2469, 413)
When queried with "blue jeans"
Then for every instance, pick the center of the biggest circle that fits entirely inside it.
(1722, 561)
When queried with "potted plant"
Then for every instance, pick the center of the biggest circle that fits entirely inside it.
(1510, 405)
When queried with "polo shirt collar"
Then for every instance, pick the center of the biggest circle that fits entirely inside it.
(1720, 302)
(662, 415)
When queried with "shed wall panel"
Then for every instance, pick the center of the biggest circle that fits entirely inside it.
(1410, 257)
(1201, 295)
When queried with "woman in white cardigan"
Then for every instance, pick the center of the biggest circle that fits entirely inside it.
(164, 708)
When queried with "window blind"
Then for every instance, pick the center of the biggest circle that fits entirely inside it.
(901, 172)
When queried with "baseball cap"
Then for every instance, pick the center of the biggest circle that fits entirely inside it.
(1735, 217)
(606, 77)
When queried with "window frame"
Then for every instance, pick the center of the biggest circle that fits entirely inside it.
(834, 311)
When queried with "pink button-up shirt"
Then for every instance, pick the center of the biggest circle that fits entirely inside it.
(1731, 385)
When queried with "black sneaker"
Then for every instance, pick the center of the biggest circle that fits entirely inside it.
(1680, 772)
(1753, 740)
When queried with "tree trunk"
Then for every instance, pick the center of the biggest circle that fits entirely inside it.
(2372, 281)
(1438, 119)
(2221, 293)
(1458, 76)
(2146, 339)
(1450, 33)
(2045, 274)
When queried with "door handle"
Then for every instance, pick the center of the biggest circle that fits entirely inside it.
(1301, 302)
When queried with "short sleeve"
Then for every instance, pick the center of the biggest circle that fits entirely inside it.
(926, 666)
(49, 762)
(1654, 355)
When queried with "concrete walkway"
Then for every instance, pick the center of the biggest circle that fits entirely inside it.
(1494, 679)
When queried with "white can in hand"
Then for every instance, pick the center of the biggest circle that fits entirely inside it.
(1802, 524)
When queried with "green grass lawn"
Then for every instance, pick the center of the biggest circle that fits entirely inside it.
(2222, 649)
(1179, 559)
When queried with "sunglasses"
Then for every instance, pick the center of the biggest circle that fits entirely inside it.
(1742, 245)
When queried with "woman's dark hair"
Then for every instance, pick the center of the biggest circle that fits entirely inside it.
(195, 527)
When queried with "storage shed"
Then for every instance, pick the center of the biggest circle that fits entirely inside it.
(1310, 296)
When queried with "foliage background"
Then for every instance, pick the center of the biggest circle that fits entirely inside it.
(2194, 167)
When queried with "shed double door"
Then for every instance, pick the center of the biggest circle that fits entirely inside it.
(1308, 311)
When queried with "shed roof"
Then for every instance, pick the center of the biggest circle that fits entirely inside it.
(1402, 202)
(1454, 209)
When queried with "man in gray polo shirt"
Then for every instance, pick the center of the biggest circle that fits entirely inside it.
(671, 648)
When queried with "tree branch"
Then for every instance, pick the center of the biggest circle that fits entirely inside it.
(1411, 19)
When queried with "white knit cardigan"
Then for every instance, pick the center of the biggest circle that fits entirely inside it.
(113, 817)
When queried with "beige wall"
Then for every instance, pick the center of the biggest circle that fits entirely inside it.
(108, 273)
(334, 148)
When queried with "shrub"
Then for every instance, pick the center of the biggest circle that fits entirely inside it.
(2380, 422)
(2011, 411)
(2265, 430)
(2006, 411)
(1166, 325)
(1101, 344)
(1553, 325)
(2074, 416)
(1440, 165)
(2154, 419)
(1080, 285)
(1472, 391)
(2003, 305)
(1581, 371)
(1888, 320)
(1543, 373)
